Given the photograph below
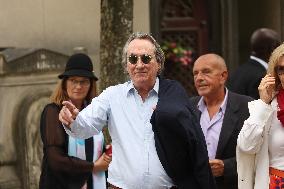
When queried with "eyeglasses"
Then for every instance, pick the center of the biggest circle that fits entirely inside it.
(83, 83)
(279, 70)
(145, 58)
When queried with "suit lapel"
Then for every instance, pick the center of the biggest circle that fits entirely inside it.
(195, 101)
(229, 122)
(228, 125)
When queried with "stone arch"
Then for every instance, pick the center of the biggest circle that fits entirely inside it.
(27, 136)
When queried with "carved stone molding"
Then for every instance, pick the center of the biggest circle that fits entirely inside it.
(27, 132)
(19, 60)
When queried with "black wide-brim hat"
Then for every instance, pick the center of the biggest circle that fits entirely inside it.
(79, 65)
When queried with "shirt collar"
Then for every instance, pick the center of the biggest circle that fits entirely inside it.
(224, 103)
(202, 106)
(130, 86)
(262, 62)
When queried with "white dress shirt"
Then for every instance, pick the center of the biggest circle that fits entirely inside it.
(135, 163)
(252, 147)
(260, 145)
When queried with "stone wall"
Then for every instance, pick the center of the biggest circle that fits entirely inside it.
(23, 96)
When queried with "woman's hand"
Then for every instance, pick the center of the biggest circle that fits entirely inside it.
(102, 163)
(266, 88)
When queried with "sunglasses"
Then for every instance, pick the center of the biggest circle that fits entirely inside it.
(145, 58)
(279, 70)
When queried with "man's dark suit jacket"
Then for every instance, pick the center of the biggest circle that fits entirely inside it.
(179, 141)
(235, 115)
(245, 80)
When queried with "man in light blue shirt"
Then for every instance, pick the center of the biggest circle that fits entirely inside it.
(127, 109)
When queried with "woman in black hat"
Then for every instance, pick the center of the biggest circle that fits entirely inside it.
(70, 163)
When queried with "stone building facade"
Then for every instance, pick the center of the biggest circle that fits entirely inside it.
(28, 76)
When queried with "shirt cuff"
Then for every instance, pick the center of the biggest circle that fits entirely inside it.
(68, 130)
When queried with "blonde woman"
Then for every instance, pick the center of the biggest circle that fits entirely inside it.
(69, 162)
(260, 149)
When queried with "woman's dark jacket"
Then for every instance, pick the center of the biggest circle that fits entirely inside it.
(60, 171)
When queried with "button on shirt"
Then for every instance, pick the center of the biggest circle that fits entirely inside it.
(212, 127)
(135, 163)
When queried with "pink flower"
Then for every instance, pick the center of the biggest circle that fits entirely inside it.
(173, 45)
(175, 53)
(188, 53)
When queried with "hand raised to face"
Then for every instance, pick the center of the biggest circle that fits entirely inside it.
(266, 88)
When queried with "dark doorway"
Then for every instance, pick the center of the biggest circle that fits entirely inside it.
(185, 24)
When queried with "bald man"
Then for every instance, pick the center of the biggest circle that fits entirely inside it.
(245, 80)
(221, 114)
